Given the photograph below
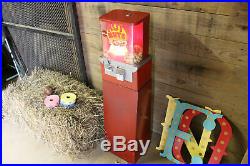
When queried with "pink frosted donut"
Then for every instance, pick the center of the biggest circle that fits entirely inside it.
(51, 101)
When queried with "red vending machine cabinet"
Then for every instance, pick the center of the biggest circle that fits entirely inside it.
(125, 35)
(126, 73)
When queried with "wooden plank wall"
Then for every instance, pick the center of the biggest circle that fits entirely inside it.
(199, 52)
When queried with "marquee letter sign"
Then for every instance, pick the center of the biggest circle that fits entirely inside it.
(178, 132)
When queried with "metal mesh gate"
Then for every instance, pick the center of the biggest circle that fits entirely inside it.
(47, 36)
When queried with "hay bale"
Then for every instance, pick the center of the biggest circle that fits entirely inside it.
(67, 131)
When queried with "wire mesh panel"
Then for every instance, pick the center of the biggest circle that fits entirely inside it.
(46, 36)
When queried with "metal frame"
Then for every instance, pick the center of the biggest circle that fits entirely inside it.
(15, 55)
(75, 36)
(40, 30)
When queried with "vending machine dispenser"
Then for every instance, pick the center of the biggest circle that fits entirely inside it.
(126, 73)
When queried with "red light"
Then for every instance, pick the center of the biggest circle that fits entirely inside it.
(124, 35)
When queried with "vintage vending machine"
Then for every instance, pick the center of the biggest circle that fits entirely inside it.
(126, 73)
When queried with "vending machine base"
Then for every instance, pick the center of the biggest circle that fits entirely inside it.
(127, 113)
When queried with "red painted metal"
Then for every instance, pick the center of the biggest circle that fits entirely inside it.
(125, 16)
(127, 105)
(219, 150)
(127, 113)
(178, 141)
